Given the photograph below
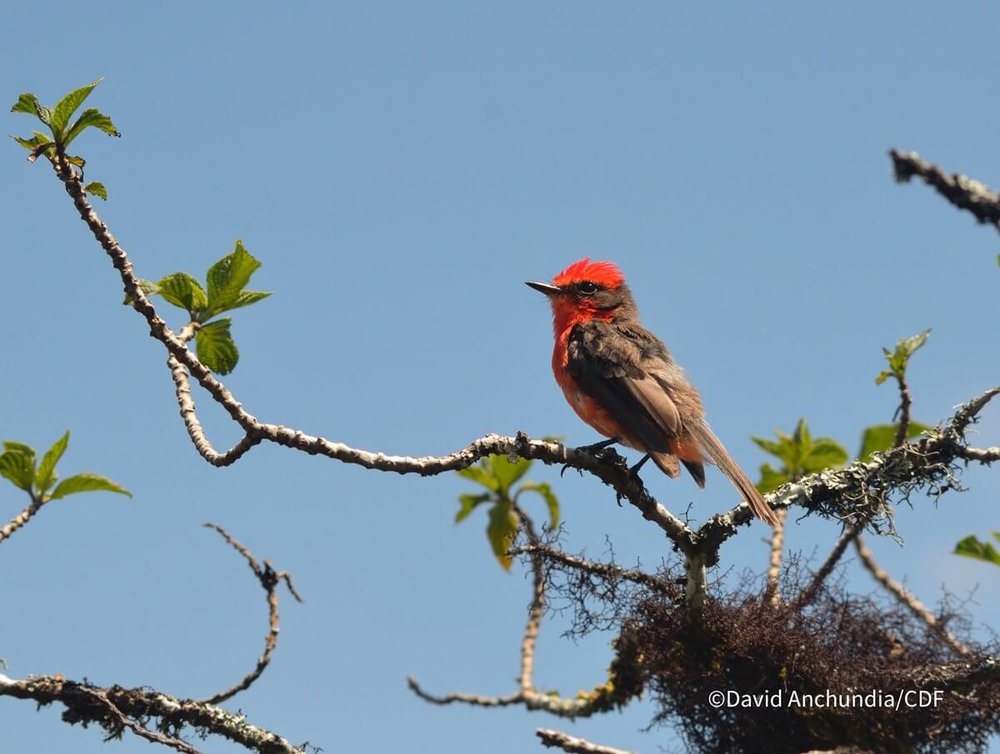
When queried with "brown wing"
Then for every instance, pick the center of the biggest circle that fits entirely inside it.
(611, 365)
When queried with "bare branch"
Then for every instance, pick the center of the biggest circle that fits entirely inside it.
(773, 590)
(903, 411)
(21, 518)
(269, 579)
(609, 471)
(86, 703)
(573, 745)
(906, 597)
(983, 455)
(536, 610)
(965, 193)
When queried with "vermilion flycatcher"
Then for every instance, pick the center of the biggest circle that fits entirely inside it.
(622, 380)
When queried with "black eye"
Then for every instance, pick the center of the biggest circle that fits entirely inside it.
(587, 288)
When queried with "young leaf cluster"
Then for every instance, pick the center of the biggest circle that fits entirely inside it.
(62, 129)
(20, 466)
(899, 359)
(224, 290)
(498, 474)
(801, 455)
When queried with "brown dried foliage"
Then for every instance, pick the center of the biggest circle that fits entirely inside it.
(841, 642)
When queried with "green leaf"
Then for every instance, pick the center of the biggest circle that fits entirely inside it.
(45, 477)
(181, 289)
(68, 105)
(91, 118)
(825, 454)
(148, 287)
(17, 464)
(468, 503)
(506, 473)
(880, 437)
(501, 531)
(480, 475)
(36, 144)
(20, 447)
(227, 277)
(97, 189)
(215, 346)
(771, 479)
(545, 490)
(971, 547)
(86, 482)
(243, 298)
(27, 103)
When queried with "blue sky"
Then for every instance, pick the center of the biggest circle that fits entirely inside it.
(401, 169)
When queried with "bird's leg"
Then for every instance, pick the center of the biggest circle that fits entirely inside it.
(634, 471)
(597, 446)
(594, 448)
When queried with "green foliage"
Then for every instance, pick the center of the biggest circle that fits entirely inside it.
(61, 131)
(17, 465)
(971, 547)
(799, 454)
(900, 358)
(498, 475)
(223, 292)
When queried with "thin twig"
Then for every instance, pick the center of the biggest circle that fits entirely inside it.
(903, 411)
(574, 745)
(906, 597)
(809, 593)
(605, 570)
(269, 579)
(476, 700)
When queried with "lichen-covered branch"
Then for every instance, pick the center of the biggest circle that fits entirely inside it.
(573, 745)
(965, 193)
(863, 490)
(88, 704)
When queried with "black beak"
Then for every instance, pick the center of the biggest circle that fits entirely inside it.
(545, 288)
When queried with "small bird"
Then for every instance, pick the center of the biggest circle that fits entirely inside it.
(622, 380)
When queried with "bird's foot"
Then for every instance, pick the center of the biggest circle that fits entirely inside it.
(593, 448)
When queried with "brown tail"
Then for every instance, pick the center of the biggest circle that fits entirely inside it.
(720, 457)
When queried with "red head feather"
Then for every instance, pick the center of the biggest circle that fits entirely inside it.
(602, 273)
